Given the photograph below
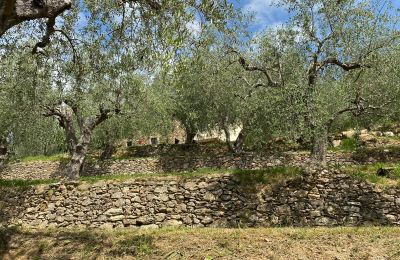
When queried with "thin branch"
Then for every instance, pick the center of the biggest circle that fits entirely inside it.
(347, 66)
(71, 43)
(242, 61)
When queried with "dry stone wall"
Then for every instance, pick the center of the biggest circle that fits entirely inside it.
(53, 170)
(317, 199)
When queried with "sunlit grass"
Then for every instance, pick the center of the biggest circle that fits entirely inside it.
(369, 173)
(43, 158)
(262, 176)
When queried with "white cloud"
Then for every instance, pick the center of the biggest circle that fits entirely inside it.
(265, 12)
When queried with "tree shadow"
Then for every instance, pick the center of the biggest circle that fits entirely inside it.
(69, 244)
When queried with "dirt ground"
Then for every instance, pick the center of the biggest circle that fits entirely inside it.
(260, 243)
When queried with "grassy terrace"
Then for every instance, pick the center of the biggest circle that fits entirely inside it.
(208, 243)
(263, 176)
(368, 173)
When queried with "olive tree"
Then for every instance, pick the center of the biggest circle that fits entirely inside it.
(335, 44)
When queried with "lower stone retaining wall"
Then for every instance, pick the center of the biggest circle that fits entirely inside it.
(52, 170)
(320, 199)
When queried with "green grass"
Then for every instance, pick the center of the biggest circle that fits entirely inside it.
(43, 158)
(24, 183)
(347, 145)
(202, 243)
(368, 173)
(264, 176)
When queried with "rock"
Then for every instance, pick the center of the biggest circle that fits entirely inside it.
(368, 138)
(152, 226)
(144, 220)
(389, 134)
(315, 213)
(160, 217)
(190, 186)
(172, 223)
(324, 221)
(187, 220)
(117, 195)
(113, 212)
(161, 189)
(336, 143)
(207, 220)
(117, 218)
(349, 134)
(209, 197)
(86, 202)
(163, 197)
(83, 187)
(391, 218)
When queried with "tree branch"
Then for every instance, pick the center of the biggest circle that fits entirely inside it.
(242, 61)
(347, 66)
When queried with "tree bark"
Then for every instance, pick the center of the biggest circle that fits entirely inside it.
(3, 151)
(319, 147)
(14, 12)
(75, 166)
(228, 140)
(191, 133)
(239, 143)
(108, 149)
(77, 148)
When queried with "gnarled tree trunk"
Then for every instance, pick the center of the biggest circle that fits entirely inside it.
(319, 147)
(78, 155)
(228, 140)
(13, 12)
(239, 143)
(191, 133)
(78, 148)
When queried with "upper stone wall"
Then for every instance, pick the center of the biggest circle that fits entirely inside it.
(160, 164)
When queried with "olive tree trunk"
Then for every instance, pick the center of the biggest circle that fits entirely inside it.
(228, 140)
(78, 148)
(191, 133)
(239, 143)
(3, 151)
(319, 147)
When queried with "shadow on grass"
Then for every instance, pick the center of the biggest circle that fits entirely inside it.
(74, 244)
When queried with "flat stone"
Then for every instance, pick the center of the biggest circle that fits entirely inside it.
(152, 226)
(117, 218)
(113, 212)
(172, 223)
(190, 186)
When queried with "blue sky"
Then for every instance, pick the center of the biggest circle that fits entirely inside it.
(267, 15)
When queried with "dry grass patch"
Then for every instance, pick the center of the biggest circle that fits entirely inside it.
(208, 243)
